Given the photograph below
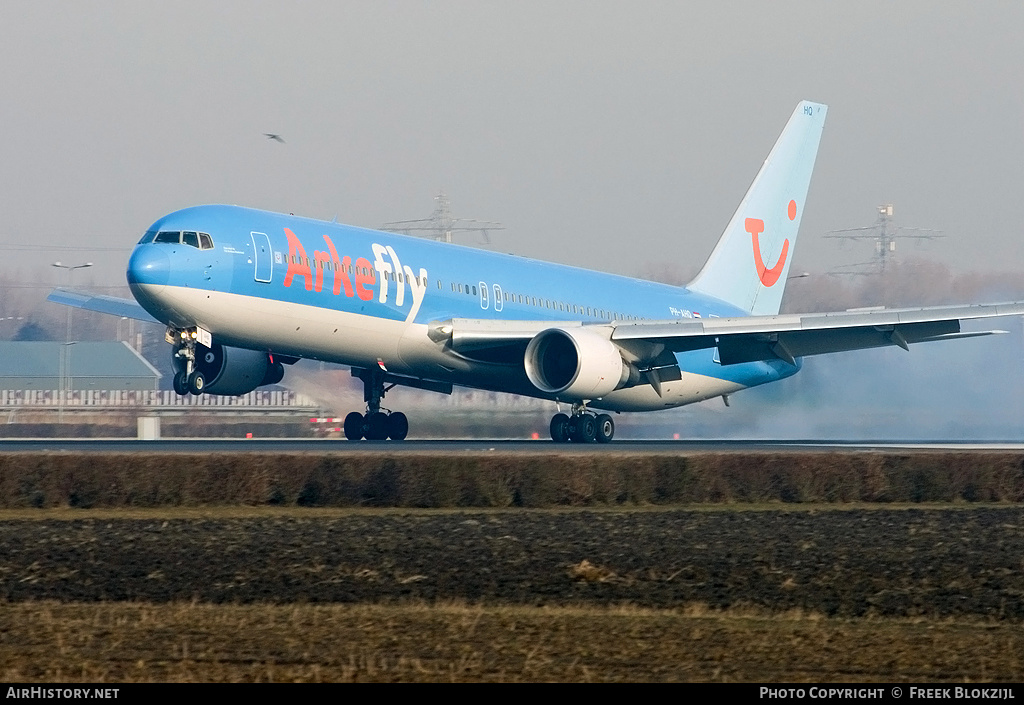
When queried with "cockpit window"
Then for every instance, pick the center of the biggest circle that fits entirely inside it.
(200, 241)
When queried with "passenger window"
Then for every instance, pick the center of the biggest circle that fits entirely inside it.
(170, 236)
(190, 238)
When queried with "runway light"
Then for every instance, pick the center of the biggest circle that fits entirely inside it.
(535, 436)
(248, 435)
(675, 436)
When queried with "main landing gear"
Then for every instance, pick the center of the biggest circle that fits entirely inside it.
(377, 424)
(582, 427)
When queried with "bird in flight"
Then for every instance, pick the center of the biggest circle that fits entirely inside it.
(271, 136)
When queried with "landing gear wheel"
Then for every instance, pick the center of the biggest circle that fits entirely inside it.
(586, 429)
(605, 428)
(196, 382)
(560, 428)
(377, 427)
(354, 426)
(398, 426)
(572, 429)
(181, 384)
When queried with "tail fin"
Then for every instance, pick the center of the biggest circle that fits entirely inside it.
(764, 228)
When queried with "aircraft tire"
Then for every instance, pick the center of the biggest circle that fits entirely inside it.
(398, 426)
(354, 426)
(560, 428)
(196, 383)
(572, 429)
(180, 383)
(586, 429)
(605, 428)
(377, 427)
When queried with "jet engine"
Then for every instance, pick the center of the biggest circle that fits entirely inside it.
(233, 371)
(576, 364)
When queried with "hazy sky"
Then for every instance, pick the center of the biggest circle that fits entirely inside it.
(609, 135)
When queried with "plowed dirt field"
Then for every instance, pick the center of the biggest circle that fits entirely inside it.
(878, 593)
(848, 563)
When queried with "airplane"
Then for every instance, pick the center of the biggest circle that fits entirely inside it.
(243, 293)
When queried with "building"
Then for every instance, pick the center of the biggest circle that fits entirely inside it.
(82, 366)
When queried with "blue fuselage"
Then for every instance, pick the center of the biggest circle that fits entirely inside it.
(247, 276)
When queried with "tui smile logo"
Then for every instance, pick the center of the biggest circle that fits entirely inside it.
(755, 226)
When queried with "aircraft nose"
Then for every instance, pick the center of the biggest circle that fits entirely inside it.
(149, 265)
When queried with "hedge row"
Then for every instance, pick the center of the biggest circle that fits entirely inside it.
(503, 480)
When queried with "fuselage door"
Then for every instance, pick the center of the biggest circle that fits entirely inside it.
(262, 257)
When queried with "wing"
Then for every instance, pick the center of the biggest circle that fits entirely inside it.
(125, 308)
(787, 337)
(741, 339)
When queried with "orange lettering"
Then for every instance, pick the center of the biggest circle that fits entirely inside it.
(298, 263)
(362, 280)
(343, 266)
(322, 260)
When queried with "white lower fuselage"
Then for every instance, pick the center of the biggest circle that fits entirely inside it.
(361, 340)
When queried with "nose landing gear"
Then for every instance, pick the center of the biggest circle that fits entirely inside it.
(187, 378)
(582, 427)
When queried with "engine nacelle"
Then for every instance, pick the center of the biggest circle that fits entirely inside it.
(575, 364)
(233, 371)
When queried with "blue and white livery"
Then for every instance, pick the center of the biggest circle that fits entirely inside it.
(244, 293)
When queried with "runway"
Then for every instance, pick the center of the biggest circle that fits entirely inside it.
(206, 445)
